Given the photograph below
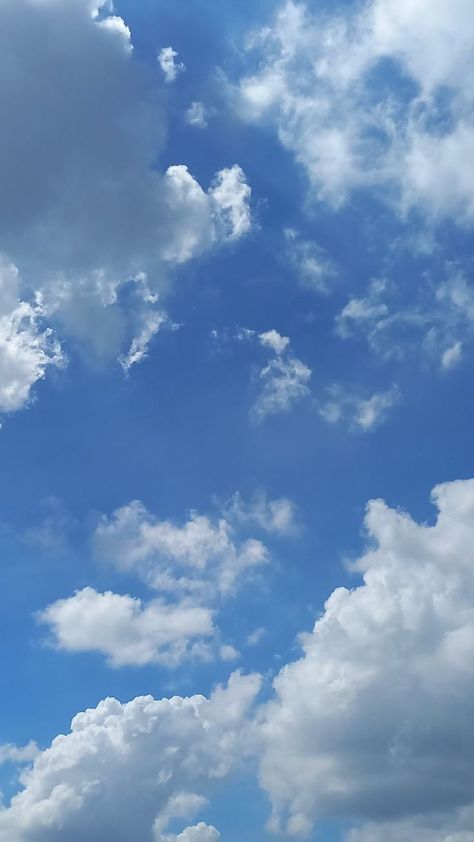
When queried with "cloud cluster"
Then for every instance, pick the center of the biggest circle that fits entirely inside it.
(285, 380)
(438, 321)
(358, 413)
(373, 95)
(192, 569)
(373, 722)
(125, 771)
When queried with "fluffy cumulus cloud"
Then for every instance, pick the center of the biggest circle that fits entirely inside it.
(274, 341)
(126, 631)
(377, 94)
(27, 347)
(201, 557)
(373, 723)
(191, 569)
(125, 771)
(170, 67)
(197, 833)
(87, 217)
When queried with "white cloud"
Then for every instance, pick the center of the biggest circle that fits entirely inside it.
(197, 833)
(273, 516)
(256, 636)
(202, 557)
(314, 269)
(18, 755)
(27, 347)
(124, 771)
(196, 115)
(170, 67)
(451, 356)
(222, 214)
(374, 721)
(319, 83)
(359, 413)
(128, 632)
(456, 296)
(229, 653)
(369, 313)
(231, 195)
(434, 47)
(284, 381)
(273, 340)
(138, 350)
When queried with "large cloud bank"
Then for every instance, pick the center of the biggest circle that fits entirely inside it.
(192, 570)
(125, 771)
(374, 721)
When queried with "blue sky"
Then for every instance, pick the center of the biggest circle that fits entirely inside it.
(236, 306)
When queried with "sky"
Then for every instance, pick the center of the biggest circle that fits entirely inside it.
(236, 403)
